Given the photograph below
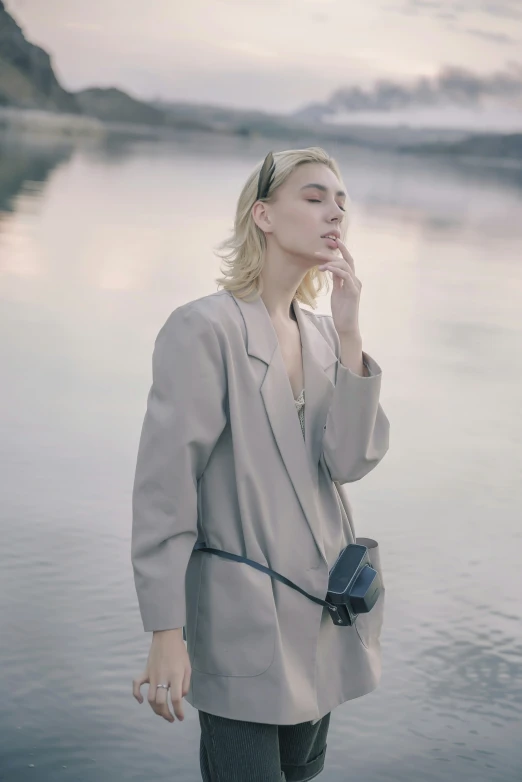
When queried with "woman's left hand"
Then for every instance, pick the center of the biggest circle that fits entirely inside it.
(346, 290)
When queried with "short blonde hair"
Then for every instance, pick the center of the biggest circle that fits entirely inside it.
(243, 252)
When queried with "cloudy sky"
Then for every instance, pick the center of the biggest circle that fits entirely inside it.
(276, 55)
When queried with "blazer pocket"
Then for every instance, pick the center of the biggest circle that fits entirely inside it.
(236, 619)
(369, 626)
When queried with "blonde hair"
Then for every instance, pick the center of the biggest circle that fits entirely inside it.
(243, 251)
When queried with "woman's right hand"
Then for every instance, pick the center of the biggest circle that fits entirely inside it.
(168, 663)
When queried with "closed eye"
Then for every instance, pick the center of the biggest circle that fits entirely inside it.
(318, 201)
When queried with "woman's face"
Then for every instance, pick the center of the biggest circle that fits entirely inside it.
(306, 207)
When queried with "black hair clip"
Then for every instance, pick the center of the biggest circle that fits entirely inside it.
(266, 176)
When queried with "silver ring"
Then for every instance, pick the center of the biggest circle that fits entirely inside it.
(163, 685)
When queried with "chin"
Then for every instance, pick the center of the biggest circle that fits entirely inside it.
(308, 252)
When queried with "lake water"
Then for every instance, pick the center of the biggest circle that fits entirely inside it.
(97, 246)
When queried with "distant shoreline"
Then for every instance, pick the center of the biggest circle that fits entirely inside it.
(491, 150)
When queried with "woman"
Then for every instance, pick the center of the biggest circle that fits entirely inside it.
(258, 412)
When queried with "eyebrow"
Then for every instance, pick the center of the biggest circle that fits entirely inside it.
(323, 188)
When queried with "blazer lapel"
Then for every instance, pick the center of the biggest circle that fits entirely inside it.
(300, 456)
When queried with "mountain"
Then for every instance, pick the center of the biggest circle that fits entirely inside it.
(27, 79)
(113, 105)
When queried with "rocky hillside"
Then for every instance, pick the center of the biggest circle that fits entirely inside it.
(28, 81)
(27, 78)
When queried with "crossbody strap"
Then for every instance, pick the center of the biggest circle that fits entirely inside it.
(200, 546)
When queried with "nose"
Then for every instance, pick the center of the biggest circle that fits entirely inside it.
(337, 213)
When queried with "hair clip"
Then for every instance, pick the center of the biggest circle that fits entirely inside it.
(266, 176)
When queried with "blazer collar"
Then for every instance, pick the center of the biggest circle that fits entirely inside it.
(301, 457)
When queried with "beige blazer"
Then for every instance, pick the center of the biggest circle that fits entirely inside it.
(222, 459)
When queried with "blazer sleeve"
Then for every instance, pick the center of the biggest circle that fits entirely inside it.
(356, 435)
(185, 415)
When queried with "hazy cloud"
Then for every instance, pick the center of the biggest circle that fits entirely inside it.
(453, 85)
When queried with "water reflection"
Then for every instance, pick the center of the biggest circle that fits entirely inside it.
(23, 170)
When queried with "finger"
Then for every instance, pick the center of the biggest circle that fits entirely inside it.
(155, 700)
(136, 686)
(346, 255)
(341, 265)
(185, 686)
(162, 704)
(151, 695)
(337, 260)
(347, 276)
(177, 703)
(341, 262)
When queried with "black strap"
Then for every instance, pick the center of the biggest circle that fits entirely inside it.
(200, 546)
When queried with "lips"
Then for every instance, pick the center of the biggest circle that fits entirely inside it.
(336, 234)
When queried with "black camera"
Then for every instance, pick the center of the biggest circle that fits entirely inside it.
(354, 585)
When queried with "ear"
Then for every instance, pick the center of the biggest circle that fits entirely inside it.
(261, 216)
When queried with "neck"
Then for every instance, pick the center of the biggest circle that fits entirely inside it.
(281, 278)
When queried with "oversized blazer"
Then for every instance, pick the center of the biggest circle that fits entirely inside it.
(222, 459)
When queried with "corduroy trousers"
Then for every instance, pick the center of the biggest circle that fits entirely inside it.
(240, 751)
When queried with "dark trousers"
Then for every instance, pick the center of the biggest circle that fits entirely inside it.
(239, 751)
